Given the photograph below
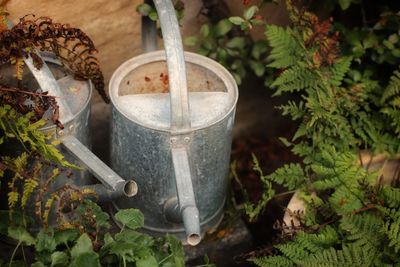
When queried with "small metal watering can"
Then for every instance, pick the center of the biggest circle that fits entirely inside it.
(171, 129)
(73, 98)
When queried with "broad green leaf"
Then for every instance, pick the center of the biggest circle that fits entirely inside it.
(45, 241)
(135, 238)
(344, 4)
(101, 217)
(108, 239)
(190, 41)
(20, 234)
(83, 245)
(176, 250)
(36, 264)
(86, 259)
(153, 16)
(222, 27)
(131, 218)
(132, 245)
(65, 236)
(257, 67)
(59, 258)
(236, 42)
(147, 262)
(259, 48)
(249, 13)
(237, 20)
(144, 9)
(205, 30)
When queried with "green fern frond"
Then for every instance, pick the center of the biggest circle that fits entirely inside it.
(19, 127)
(291, 176)
(293, 250)
(29, 187)
(393, 89)
(285, 48)
(391, 196)
(392, 230)
(363, 229)
(326, 238)
(345, 200)
(294, 79)
(339, 70)
(294, 110)
(273, 261)
(349, 255)
(254, 210)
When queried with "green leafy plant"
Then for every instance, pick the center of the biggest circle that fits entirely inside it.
(342, 106)
(91, 244)
(233, 48)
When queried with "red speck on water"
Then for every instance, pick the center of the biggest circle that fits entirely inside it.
(164, 78)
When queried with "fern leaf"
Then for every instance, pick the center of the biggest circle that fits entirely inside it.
(29, 186)
(291, 176)
(47, 207)
(391, 196)
(363, 229)
(13, 197)
(293, 250)
(273, 261)
(285, 48)
(294, 79)
(294, 110)
(345, 201)
(338, 71)
(393, 88)
(392, 230)
(349, 255)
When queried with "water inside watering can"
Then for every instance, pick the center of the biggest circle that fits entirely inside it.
(154, 109)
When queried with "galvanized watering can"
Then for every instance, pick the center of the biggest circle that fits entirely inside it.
(171, 130)
(74, 100)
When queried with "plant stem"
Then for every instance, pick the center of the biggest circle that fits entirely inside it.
(166, 258)
(23, 253)
(15, 251)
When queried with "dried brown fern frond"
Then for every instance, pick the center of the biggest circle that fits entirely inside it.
(25, 101)
(73, 47)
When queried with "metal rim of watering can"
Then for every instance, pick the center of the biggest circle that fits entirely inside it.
(159, 56)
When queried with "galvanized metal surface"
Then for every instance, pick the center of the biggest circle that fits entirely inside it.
(141, 143)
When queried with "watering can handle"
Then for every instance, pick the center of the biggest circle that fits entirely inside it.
(180, 117)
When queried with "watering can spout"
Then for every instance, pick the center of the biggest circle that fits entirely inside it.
(186, 198)
(190, 217)
(112, 185)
